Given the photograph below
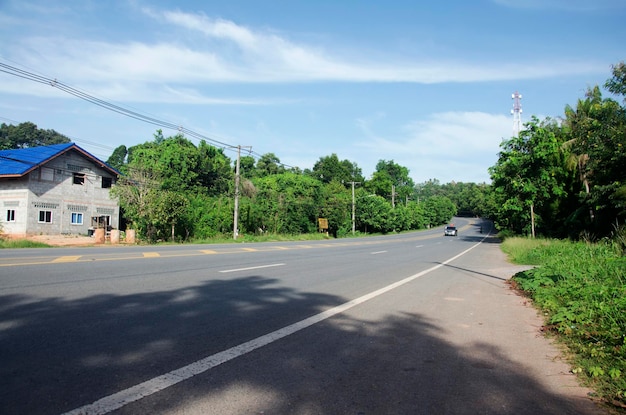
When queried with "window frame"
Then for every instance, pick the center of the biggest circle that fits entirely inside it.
(78, 178)
(107, 182)
(79, 216)
(47, 216)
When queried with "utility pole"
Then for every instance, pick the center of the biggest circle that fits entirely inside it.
(393, 196)
(353, 210)
(236, 213)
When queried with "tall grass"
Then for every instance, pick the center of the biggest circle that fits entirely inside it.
(21, 243)
(581, 289)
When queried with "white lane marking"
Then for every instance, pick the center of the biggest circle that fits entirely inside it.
(378, 252)
(419, 246)
(134, 393)
(249, 268)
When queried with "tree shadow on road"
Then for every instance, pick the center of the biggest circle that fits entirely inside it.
(396, 366)
(57, 355)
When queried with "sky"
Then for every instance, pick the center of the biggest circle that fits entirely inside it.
(425, 84)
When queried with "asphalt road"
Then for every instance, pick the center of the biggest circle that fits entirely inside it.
(416, 323)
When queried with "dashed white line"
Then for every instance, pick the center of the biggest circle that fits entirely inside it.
(378, 252)
(250, 268)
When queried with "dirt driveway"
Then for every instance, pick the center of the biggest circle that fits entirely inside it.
(63, 240)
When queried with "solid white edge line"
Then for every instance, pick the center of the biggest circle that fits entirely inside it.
(251, 268)
(134, 393)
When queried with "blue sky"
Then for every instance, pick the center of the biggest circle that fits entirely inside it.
(425, 84)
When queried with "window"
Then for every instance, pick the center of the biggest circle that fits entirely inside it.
(45, 216)
(106, 182)
(47, 174)
(11, 215)
(77, 218)
(79, 178)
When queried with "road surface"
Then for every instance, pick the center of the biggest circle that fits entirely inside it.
(416, 323)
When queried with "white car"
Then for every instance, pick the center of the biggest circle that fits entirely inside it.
(450, 231)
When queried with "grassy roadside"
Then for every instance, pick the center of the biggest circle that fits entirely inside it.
(21, 243)
(581, 290)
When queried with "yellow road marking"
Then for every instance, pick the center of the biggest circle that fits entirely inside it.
(69, 258)
(42, 260)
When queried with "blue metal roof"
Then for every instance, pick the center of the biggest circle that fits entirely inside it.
(21, 161)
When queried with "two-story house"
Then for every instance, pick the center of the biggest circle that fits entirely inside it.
(57, 189)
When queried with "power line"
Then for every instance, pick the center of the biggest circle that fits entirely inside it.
(12, 70)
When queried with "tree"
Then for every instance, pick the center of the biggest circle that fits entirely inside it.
(246, 167)
(617, 83)
(373, 213)
(391, 181)
(137, 191)
(168, 208)
(469, 198)
(163, 177)
(26, 135)
(329, 168)
(117, 159)
(336, 206)
(182, 166)
(214, 173)
(528, 177)
(438, 210)
(269, 164)
(287, 203)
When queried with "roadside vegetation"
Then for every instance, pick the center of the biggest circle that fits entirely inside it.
(561, 183)
(21, 243)
(580, 288)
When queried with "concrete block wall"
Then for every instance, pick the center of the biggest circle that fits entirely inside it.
(52, 188)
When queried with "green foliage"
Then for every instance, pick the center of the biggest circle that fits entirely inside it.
(329, 168)
(597, 131)
(287, 203)
(470, 199)
(581, 288)
(336, 206)
(572, 172)
(21, 243)
(209, 217)
(267, 165)
(117, 160)
(530, 173)
(373, 213)
(617, 84)
(391, 181)
(26, 135)
(439, 210)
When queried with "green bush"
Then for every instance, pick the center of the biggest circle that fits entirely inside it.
(581, 289)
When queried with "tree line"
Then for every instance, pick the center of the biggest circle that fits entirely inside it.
(566, 177)
(171, 188)
(559, 177)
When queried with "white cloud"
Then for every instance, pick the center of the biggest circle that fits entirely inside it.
(258, 56)
(451, 146)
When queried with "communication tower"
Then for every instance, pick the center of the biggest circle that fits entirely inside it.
(517, 113)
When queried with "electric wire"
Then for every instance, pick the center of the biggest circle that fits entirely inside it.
(12, 70)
